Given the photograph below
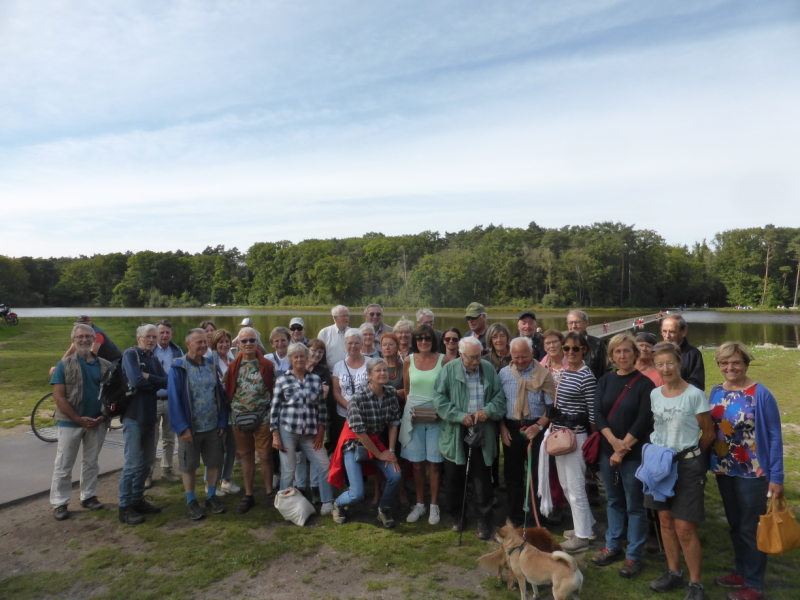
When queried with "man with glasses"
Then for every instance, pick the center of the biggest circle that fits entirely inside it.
(597, 357)
(373, 314)
(297, 328)
(693, 369)
(333, 336)
(103, 346)
(526, 327)
(476, 319)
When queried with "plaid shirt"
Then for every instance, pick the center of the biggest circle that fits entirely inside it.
(298, 407)
(475, 388)
(369, 414)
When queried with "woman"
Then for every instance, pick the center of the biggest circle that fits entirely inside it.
(450, 339)
(403, 331)
(297, 418)
(747, 459)
(390, 344)
(368, 334)
(644, 364)
(280, 339)
(624, 433)
(209, 328)
(349, 376)
(681, 413)
(574, 409)
(221, 356)
(372, 411)
(498, 351)
(420, 441)
(555, 359)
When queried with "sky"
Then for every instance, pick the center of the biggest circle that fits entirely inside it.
(139, 125)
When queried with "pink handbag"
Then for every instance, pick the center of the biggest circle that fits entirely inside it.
(561, 441)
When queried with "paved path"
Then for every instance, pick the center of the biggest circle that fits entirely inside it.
(615, 327)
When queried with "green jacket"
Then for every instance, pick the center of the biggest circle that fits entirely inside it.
(451, 400)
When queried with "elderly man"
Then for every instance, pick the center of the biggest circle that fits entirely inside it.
(248, 322)
(476, 320)
(333, 335)
(146, 375)
(526, 328)
(297, 327)
(198, 411)
(693, 370)
(373, 314)
(425, 316)
(102, 346)
(469, 397)
(76, 390)
(529, 389)
(597, 356)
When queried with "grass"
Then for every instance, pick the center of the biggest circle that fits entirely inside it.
(159, 559)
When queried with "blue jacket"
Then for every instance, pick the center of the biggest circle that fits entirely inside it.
(658, 472)
(179, 400)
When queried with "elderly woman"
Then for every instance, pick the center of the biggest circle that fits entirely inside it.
(280, 338)
(450, 339)
(574, 409)
(682, 418)
(221, 357)
(555, 359)
(349, 375)
(498, 351)
(371, 411)
(297, 418)
(747, 459)
(644, 364)
(420, 441)
(403, 331)
(623, 417)
(368, 335)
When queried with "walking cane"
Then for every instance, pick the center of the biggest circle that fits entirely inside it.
(464, 501)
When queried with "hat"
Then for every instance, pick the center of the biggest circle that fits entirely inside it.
(527, 313)
(297, 321)
(247, 322)
(84, 319)
(475, 310)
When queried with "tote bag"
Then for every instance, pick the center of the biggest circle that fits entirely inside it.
(778, 531)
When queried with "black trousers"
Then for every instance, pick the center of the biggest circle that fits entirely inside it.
(515, 458)
(480, 475)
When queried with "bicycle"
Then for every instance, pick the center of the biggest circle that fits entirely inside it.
(43, 420)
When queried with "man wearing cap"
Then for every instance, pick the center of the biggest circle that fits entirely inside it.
(526, 327)
(297, 328)
(476, 319)
(103, 346)
(373, 314)
(333, 335)
(248, 322)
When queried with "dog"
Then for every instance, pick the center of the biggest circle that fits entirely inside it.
(531, 565)
(540, 537)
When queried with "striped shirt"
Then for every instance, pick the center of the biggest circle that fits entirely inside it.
(298, 406)
(575, 399)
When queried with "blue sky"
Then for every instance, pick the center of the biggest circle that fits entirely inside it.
(141, 125)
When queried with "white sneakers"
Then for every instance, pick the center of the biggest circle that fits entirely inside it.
(229, 488)
(416, 513)
(433, 519)
(327, 508)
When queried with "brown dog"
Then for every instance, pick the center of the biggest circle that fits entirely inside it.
(540, 537)
(528, 564)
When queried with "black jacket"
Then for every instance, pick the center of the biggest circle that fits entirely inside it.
(597, 357)
(693, 370)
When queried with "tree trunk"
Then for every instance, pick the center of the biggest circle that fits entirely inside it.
(766, 276)
(796, 283)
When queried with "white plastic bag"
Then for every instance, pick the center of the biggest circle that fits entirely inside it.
(293, 506)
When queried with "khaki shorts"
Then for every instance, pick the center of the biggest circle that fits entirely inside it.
(207, 444)
(259, 440)
(688, 503)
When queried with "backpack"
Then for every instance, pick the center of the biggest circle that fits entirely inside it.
(115, 390)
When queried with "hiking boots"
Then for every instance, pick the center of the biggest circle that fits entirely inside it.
(129, 516)
(606, 556)
(385, 517)
(60, 513)
(631, 568)
(667, 582)
(143, 507)
(215, 505)
(92, 503)
(695, 592)
(195, 511)
(484, 530)
(338, 513)
(170, 477)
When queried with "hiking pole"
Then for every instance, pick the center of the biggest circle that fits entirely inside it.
(464, 501)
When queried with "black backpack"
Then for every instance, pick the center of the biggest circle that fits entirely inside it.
(115, 390)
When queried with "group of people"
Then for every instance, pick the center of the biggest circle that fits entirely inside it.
(410, 402)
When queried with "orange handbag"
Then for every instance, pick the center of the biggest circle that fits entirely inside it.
(778, 531)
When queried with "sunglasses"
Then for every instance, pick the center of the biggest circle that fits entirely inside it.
(375, 314)
(472, 318)
(451, 339)
(297, 328)
(572, 348)
(423, 338)
(248, 341)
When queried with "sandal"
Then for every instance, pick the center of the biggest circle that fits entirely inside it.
(245, 505)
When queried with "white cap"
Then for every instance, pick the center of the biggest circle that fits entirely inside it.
(297, 321)
(247, 322)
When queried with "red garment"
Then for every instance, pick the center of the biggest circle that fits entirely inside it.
(336, 475)
(265, 366)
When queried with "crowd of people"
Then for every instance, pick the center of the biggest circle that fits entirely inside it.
(410, 403)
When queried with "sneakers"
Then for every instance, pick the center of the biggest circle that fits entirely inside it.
(170, 476)
(338, 513)
(220, 492)
(631, 568)
(484, 530)
(434, 517)
(92, 503)
(575, 544)
(215, 505)
(385, 517)
(195, 511)
(228, 487)
(732, 580)
(326, 509)
(667, 582)
(129, 516)
(276, 481)
(60, 513)
(148, 483)
(745, 593)
(143, 507)
(570, 533)
(245, 505)
(606, 556)
(416, 513)
(695, 592)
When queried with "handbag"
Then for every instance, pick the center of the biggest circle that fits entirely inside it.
(561, 441)
(362, 454)
(778, 531)
(591, 447)
(294, 506)
(249, 421)
(423, 414)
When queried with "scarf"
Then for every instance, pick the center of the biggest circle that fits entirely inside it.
(540, 380)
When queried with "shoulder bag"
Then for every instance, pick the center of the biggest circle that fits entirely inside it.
(778, 531)
(560, 441)
(591, 447)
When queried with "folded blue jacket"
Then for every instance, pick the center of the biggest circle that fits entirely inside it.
(658, 472)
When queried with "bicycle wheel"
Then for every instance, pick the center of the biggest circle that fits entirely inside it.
(14, 321)
(43, 422)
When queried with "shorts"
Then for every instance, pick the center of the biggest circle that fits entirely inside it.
(259, 440)
(688, 503)
(424, 444)
(207, 444)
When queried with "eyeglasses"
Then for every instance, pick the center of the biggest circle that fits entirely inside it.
(84, 337)
(248, 341)
(475, 358)
(373, 314)
(297, 328)
(422, 338)
(736, 364)
(572, 348)
(317, 352)
(450, 340)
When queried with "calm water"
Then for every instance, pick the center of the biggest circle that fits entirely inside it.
(706, 328)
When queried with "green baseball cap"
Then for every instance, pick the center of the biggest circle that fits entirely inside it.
(475, 310)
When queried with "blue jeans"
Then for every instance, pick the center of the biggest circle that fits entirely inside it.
(319, 458)
(625, 503)
(140, 454)
(745, 500)
(356, 491)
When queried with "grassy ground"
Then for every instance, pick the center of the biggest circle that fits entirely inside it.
(232, 556)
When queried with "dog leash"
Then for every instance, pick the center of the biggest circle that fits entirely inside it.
(530, 493)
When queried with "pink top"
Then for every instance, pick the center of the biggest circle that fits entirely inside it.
(655, 377)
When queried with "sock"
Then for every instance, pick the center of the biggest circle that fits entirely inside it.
(212, 490)
(190, 497)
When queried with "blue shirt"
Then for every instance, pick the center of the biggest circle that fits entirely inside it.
(202, 383)
(537, 401)
(90, 400)
(475, 389)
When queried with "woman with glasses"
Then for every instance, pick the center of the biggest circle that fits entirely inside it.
(498, 350)
(420, 441)
(450, 338)
(369, 349)
(644, 364)
(280, 339)
(555, 360)
(403, 330)
(350, 374)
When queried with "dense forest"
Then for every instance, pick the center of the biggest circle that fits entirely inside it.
(605, 264)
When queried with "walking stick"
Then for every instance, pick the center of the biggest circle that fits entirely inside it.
(464, 501)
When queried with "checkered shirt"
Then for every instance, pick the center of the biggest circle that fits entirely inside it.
(298, 407)
(537, 402)
(369, 414)
(475, 388)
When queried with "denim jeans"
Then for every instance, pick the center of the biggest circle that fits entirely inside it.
(356, 491)
(319, 457)
(140, 453)
(625, 507)
(745, 500)
(303, 471)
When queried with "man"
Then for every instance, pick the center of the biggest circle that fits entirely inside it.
(333, 335)
(165, 352)
(476, 319)
(425, 317)
(76, 391)
(526, 327)
(597, 357)
(529, 389)
(469, 397)
(693, 370)
(248, 322)
(103, 346)
(146, 375)
(198, 411)
(297, 328)
(373, 314)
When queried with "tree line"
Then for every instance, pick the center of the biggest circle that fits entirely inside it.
(601, 265)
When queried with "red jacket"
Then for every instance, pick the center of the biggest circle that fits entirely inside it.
(232, 374)
(336, 475)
